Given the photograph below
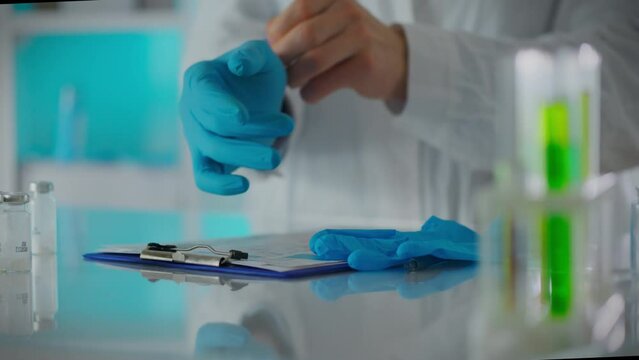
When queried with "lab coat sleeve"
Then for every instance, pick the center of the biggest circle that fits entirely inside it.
(452, 92)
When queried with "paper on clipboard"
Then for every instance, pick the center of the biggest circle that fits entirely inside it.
(279, 253)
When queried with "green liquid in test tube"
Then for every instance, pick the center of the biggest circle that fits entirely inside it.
(556, 132)
(556, 227)
(556, 262)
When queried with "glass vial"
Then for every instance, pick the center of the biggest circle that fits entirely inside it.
(15, 232)
(43, 217)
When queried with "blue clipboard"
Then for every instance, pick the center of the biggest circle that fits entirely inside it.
(229, 269)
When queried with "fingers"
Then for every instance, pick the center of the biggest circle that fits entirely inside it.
(362, 233)
(339, 77)
(204, 78)
(249, 58)
(223, 120)
(206, 90)
(313, 32)
(271, 126)
(417, 248)
(335, 244)
(214, 110)
(211, 177)
(323, 57)
(239, 153)
(327, 239)
(295, 13)
(330, 247)
(449, 229)
(235, 152)
(206, 99)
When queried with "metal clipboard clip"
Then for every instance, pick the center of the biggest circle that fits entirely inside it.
(171, 253)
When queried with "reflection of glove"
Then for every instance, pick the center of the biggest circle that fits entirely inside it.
(231, 111)
(381, 249)
(439, 276)
(228, 341)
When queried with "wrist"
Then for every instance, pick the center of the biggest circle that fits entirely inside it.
(396, 99)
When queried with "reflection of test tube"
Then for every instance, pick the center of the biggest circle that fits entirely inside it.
(634, 233)
(45, 291)
(16, 313)
(632, 315)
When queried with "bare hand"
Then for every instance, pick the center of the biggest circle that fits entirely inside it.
(332, 44)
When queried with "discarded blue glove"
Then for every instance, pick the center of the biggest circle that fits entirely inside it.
(381, 249)
(231, 110)
(439, 276)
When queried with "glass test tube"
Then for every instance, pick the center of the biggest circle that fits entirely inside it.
(569, 142)
(534, 223)
(43, 217)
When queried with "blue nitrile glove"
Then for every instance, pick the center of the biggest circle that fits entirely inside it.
(439, 276)
(381, 249)
(231, 111)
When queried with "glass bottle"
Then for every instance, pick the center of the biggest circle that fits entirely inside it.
(15, 232)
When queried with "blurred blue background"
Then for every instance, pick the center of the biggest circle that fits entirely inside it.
(100, 97)
(90, 102)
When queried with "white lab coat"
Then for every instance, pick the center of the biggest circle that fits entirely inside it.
(352, 163)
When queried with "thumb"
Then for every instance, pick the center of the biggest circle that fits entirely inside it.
(250, 58)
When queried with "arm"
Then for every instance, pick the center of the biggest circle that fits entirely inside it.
(451, 90)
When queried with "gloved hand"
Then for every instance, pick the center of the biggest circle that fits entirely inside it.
(231, 113)
(440, 275)
(381, 249)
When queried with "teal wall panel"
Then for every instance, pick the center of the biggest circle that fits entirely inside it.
(126, 96)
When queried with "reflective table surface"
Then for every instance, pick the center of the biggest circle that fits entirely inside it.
(69, 308)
